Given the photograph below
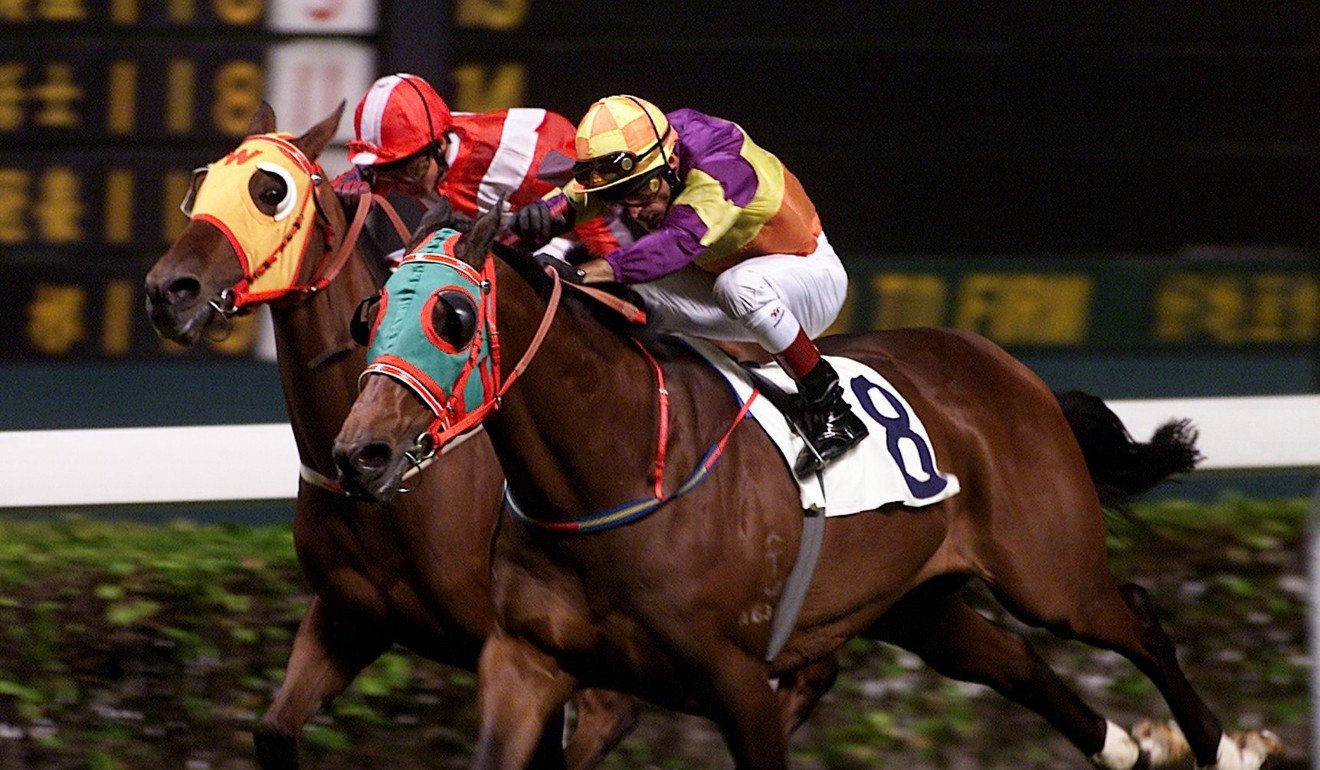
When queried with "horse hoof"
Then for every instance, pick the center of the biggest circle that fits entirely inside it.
(1251, 750)
(1163, 742)
(275, 750)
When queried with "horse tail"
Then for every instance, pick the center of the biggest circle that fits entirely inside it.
(1121, 467)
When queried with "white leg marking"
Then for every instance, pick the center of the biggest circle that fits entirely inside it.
(1248, 751)
(1229, 756)
(1120, 751)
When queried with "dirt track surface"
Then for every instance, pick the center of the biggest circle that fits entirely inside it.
(159, 647)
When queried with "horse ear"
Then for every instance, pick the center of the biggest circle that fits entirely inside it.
(473, 247)
(441, 214)
(263, 120)
(319, 135)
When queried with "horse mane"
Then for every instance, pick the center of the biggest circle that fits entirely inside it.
(581, 305)
(529, 268)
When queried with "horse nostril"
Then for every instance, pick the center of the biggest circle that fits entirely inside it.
(366, 460)
(372, 458)
(183, 291)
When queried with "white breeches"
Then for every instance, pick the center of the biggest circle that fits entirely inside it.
(763, 299)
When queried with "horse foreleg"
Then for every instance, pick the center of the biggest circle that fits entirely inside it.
(549, 753)
(935, 622)
(604, 718)
(325, 658)
(737, 695)
(519, 690)
(799, 691)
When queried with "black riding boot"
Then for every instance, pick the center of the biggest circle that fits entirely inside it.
(831, 426)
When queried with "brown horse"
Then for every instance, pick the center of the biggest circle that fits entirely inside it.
(661, 607)
(415, 572)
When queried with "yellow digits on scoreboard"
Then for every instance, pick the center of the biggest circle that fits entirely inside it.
(490, 14)
(238, 87)
(479, 89)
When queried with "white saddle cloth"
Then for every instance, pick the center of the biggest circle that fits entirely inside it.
(894, 464)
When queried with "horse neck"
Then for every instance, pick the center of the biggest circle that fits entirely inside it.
(560, 423)
(318, 361)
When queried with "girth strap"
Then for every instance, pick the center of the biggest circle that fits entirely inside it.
(795, 588)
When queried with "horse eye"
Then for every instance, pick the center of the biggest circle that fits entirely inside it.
(454, 318)
(362, 327)
(273, 194)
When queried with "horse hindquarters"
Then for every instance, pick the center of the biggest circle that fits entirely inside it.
(1049, 566)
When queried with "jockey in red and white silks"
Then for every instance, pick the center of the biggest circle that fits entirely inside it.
(408, 141)
(733, 247)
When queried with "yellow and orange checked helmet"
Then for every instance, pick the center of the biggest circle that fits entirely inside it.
(621, 137)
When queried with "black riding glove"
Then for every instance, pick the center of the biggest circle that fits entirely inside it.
(535, 223)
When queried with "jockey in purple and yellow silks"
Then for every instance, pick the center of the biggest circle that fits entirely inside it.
(733, 248)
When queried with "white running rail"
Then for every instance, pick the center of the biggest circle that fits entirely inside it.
(117, 466)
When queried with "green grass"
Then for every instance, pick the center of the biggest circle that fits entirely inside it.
(126, 645)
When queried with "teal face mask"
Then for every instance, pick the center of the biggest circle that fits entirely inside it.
(432, 333)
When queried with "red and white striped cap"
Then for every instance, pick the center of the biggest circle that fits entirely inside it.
(399, 115)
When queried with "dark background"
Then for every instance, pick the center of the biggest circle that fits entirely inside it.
(1044, 135)
(968, 126)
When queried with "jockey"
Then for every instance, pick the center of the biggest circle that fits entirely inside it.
(733, 248)
(409, 142)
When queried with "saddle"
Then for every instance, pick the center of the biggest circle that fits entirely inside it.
(896, 463)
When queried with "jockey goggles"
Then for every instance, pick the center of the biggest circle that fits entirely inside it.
(411, 168)
(608, 169)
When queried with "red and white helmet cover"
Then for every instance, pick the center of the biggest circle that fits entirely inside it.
(399, 115)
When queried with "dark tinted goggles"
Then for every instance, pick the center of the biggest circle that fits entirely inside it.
(608, 169)
(411, 167)
(643, 186)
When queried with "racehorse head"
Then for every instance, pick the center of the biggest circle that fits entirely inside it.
(255, 216)
(433, 368)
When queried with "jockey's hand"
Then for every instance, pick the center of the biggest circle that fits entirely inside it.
(535, 224)
(567, 273)
(350, 183)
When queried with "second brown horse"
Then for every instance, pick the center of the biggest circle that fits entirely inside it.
(414, 573)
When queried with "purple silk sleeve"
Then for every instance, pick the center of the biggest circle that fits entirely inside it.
(668, 249)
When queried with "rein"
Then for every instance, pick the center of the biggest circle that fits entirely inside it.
(440, 432)
(645, 506)
(332, 264)
(335, 263)
(349, 242)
